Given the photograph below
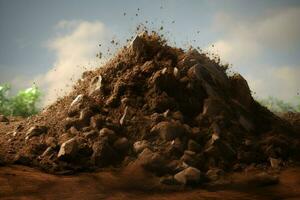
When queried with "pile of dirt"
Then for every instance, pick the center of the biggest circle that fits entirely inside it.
(175, 113)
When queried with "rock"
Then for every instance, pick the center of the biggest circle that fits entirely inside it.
(200, 72)
(64, 137)
(22, 159)
(263, 179)
(179, 144)
(109, 134)
(126, 101)
(79, 122)
(221, 150)
(275, 163)
(3, 118)
(73, 130)
(214, 174)
(76, 104)
(121, 144)
(91, 134)
(85, 115)
(72, 122)
(162, 102)
(248, 142)
(124, 116)
(139, 146)
(76, 101)
(14, 133)
(167, 114)
(97, 121)
(178, 116)
(137, 45)
(246, 124)
(95, 85)
(168, 130)
(35, 131)
(156, 118)
(241, 90)
(164, 80)
(190, 158)
(193, 146)
(68, 150)
(49, 151)
(176, 166)
(103, 154)
(218, 75)
(169, 180)
(188, 176)
(212, 107)
(51, 142)
(174, 149)
(211, 74)
(151, 161)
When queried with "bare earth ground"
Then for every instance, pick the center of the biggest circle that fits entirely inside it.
(24, 183)
(18, 182)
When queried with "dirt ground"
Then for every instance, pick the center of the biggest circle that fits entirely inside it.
(19, 182)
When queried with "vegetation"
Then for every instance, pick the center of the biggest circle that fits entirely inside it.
(24, 103)
(277, 105)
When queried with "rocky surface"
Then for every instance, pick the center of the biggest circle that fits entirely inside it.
(175, 113)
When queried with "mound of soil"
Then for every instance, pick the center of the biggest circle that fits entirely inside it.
(175, 113)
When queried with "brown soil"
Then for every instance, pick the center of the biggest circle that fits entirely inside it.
(17, 182)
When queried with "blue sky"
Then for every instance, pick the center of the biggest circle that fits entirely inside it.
(50, 42)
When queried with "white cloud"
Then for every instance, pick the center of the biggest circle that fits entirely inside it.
(277, 29)
(75, 52)
(282, 82)
(246, 45)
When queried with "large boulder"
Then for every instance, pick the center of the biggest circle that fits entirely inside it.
(213, 107)
(241, 91)
(218, 75)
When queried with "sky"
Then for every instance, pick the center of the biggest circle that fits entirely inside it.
(50, 43)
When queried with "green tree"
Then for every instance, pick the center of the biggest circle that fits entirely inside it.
(277, 105)
(24, 103)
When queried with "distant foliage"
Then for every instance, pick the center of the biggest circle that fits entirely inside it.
(277, 105)
(24, 103)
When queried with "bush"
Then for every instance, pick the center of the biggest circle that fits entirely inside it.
(279, 106)
(24, 103)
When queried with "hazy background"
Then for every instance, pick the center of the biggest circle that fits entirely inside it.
(52, 42)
